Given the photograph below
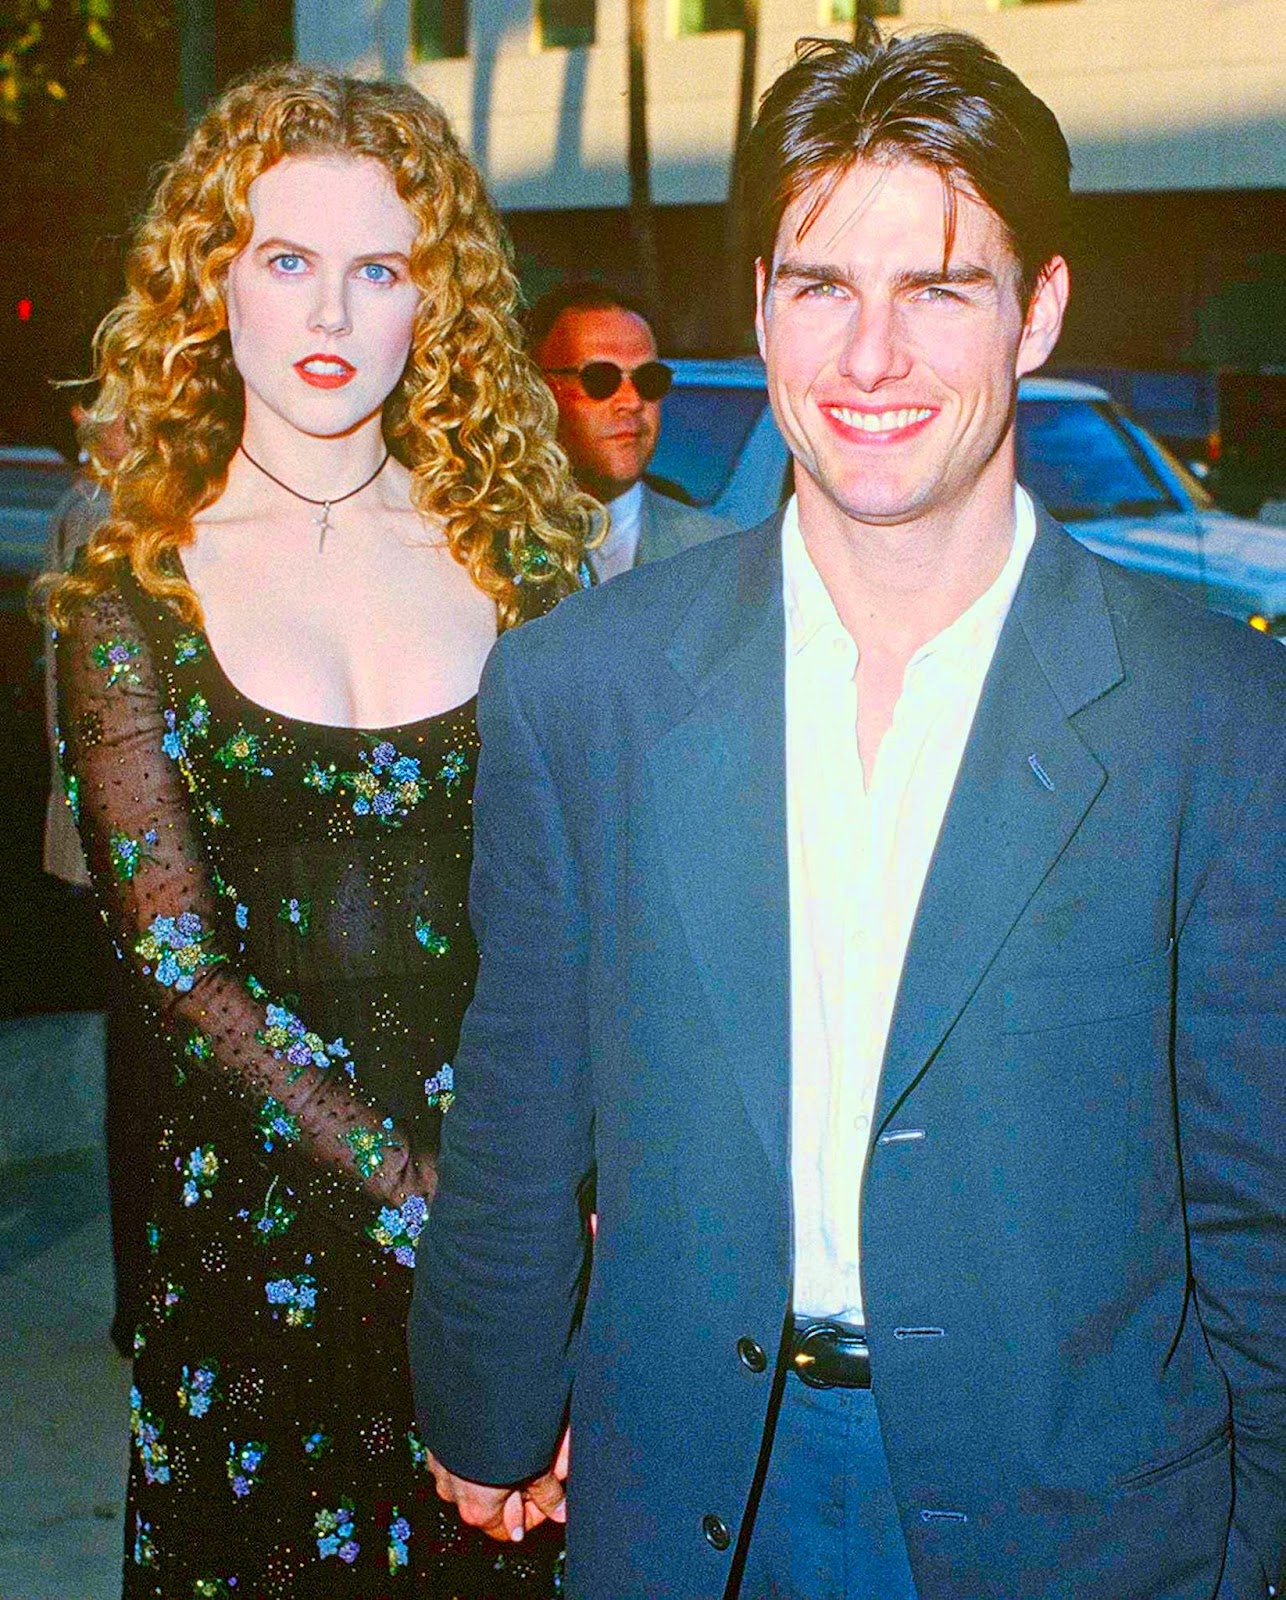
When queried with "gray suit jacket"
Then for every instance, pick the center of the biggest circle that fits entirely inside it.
(1073, 1230)
(668, 526)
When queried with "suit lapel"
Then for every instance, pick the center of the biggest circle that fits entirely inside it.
(716, 785)
(1025, 784)
(657, 534)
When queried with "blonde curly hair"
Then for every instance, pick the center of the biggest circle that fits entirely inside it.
(470, 416)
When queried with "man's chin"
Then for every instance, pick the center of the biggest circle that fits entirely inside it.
(605, 489)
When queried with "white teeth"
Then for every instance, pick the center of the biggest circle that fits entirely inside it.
(329, 369)
(881, 421)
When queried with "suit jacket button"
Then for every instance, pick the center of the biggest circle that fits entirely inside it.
(716, 1531)
(751, 1355)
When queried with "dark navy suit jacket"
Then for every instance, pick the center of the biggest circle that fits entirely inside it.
(1073, 1253)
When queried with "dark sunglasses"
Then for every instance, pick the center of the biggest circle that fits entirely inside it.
(601, 379)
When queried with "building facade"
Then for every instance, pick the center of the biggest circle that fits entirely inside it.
(1175, 111)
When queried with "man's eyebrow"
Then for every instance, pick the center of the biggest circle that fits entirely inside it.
(807, 272)
(963, 273)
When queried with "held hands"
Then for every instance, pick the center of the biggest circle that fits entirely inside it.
(504, 1513)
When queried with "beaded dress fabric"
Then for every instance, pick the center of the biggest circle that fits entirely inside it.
(292, 899)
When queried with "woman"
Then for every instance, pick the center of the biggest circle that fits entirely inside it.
(341, 484)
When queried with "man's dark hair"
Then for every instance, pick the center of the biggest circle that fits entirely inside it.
(581, 294)
(942, 99)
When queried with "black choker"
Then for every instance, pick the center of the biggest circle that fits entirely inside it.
(323, 522)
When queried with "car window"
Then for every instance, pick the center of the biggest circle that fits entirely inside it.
(1074, 456)
(703, 428)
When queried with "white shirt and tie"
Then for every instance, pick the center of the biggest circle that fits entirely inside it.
(858, 855)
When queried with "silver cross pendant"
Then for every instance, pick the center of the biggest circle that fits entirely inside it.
(324, 524)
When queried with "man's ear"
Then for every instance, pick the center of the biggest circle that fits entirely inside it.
(761, 289)
(1045, 314)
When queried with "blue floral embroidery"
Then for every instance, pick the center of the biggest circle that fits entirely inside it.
(202, 1170)
(128, 855)
(213, 1588)
(288, 1039)
(297, 913)
(440, 1088)
(437, 944)
(244, 1462)
(397, 1230)
(189, 647)
(241, 916)
(316, 1445)
(275, 1123)
(171, 1296)
(147, 1431)
(272, 1219)
(454, 767)
(197, 1389)
(178, 734)
(399, 1535)
(144, 1548)
(419, 1452)
(117, 657)
(172, 740)
(387, 786)
(323, 779)
(196, 725)
(334, 1530)
(174, 946)
(299, 1297)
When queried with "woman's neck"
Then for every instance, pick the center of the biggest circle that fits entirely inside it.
(320, 468)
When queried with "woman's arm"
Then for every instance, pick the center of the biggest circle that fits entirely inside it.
(155, 885)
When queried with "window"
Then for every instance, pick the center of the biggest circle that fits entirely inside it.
(710, 16)
(847, 11)
(703, 429)
(439, 29)
(1084, 464)
(565, 24)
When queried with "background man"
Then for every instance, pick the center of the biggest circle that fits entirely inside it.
(598, 354)
(887, 906)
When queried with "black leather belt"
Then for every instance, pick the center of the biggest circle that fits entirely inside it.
(830, 1355)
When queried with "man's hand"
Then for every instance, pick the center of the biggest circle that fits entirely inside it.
(500, 1512)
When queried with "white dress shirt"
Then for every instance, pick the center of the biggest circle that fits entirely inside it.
(858, 855)
(619, 551)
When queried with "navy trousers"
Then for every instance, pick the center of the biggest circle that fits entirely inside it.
(827, 1527)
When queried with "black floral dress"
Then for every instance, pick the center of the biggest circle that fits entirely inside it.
(292, 897)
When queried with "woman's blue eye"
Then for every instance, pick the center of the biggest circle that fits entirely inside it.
(377, 272)
(288, 263)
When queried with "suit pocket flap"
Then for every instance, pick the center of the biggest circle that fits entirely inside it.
(1097, 993)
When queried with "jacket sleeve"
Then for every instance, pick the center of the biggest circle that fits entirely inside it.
(1231, 1062)
(500, 1264)
(158, 896)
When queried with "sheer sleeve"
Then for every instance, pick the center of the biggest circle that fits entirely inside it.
(156, 885)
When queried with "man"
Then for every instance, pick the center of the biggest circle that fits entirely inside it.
(886, 906)
(598, 355)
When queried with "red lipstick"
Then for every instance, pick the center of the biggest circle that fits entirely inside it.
(324, 371)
